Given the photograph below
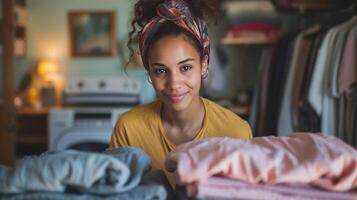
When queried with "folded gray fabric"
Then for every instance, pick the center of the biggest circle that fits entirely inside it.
(141, 192)
(92, 172)
(136, 160)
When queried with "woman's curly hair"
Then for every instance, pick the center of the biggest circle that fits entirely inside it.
(145, 10)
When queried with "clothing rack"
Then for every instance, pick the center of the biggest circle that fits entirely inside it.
(345, 12)
(334, 17)
(327, 18)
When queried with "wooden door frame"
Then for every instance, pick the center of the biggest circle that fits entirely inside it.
(7, 108)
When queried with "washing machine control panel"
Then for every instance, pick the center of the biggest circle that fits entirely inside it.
(92, 120)
(67, 120)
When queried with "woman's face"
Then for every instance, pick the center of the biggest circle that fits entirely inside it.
(175, 68)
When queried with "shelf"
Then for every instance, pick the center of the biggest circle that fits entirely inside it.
(305, 7)
(247, 41)
(310, 6)
(33, 111)
(32, 131)
(31, 140)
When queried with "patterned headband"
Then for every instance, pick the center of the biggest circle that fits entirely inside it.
(176, 11)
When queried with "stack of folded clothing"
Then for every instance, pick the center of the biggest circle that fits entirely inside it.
(298, 166)
(114, 174)
(252, 20)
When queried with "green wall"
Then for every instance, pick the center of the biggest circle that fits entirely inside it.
(48, 38)
(48, 35)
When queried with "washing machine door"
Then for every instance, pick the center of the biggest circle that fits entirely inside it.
(85, 139)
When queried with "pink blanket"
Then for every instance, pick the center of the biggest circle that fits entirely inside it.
(218, 187)
(315, 159)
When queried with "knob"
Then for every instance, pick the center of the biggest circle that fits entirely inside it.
(80, 84)
(102, 84)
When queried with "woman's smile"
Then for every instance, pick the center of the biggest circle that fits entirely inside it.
(177, 97)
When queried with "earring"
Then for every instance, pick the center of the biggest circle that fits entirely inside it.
(148, 78)
(205, 74)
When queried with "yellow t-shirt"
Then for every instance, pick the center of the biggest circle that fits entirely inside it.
(142, 127)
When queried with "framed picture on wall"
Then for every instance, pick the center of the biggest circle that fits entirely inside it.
(92, 33)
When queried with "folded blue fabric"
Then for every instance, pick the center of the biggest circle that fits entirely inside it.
(136, 160)
(142, 192)
(114, 174)
(93, 172)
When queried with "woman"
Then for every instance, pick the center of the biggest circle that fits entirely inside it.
(174, 47)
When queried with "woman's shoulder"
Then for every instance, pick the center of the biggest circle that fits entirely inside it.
(221, 119)
(216, 112)
(141, 112)
(219, 111)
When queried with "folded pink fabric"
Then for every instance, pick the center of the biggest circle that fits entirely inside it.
(315, 159)
(220, 187)
(269, 30)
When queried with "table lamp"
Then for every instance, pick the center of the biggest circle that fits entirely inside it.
(51, 82)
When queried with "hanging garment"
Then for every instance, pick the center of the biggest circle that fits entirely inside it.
(284, 122)
(315, 92)
(268, 91)
(306, 46)
(305, 119)
(264, 94)
(277, 76)
(258, 93)
(347, 78)
(285, 116)
(329, 119)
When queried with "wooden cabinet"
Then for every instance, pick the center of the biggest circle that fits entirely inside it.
(31, 132)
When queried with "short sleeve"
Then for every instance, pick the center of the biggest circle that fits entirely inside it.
(249, 130)
(119, 135)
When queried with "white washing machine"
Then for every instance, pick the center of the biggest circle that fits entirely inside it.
(82, 129)
(92, 105)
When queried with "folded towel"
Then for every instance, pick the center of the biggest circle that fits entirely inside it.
(92, 172)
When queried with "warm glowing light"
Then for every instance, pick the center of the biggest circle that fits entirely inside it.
(47, 67)
(49, 76)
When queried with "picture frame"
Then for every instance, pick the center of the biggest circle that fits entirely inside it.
(92, 33)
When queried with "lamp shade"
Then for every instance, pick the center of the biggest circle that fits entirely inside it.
(47, 67)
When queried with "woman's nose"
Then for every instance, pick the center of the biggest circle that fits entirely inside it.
(174, 81)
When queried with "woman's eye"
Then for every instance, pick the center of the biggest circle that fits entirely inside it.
(160, 71)
(186, 68)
